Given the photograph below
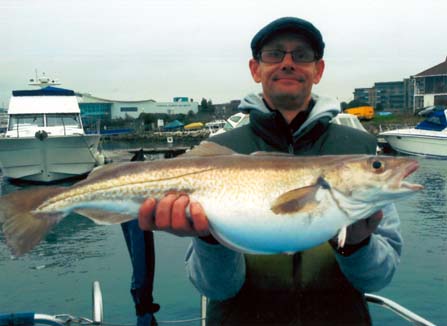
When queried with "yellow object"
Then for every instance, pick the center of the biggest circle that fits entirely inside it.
(193, 126)
(362, 112)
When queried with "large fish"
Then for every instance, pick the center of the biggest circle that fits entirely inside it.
(261, 203)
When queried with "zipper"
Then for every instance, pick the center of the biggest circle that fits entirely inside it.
(291, 149)
(290, 141)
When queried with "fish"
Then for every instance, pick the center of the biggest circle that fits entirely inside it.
(263, 203)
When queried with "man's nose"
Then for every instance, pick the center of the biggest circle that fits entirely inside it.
(287, 62)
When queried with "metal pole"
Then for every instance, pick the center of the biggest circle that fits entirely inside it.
(203, 303)
(398, 309)
(98, 310)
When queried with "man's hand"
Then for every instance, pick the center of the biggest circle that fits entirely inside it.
(169, 215)
(362, 229)
(357, 234)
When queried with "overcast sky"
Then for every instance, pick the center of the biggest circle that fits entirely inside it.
(159, 49)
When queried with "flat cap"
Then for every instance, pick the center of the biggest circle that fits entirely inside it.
(288, 24)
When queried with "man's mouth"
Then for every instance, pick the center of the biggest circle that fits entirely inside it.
(289, 78)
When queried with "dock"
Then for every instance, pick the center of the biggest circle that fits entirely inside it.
(148, 153)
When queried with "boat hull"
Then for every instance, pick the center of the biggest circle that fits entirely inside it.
(49, 159)
(411, 142)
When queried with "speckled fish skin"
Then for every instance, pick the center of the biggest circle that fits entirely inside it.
(263, 203)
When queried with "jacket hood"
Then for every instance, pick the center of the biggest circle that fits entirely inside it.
(325, 107)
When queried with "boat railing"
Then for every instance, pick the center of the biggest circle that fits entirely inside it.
(403, 312)
(31, 318)
(399, 310)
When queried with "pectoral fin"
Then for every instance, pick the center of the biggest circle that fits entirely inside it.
(299, 200)
(302, 199)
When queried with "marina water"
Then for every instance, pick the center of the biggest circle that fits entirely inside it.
(56, 277)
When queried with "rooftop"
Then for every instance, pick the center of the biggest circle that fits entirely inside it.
(440, 69)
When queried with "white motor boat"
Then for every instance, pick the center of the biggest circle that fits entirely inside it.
(428, 138)
(349, 120)
(236, 120)
(45, 139)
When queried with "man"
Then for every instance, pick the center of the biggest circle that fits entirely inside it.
(323, 285)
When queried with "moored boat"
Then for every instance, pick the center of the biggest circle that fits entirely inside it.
(45, 139)
(428, 138)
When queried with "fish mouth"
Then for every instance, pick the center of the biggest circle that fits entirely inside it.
(411, 167)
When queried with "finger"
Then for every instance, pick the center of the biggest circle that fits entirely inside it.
(199, 219)
(180, 222)
(146, 214)
(163, 212)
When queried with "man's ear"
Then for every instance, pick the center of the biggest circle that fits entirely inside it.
(254, 69)
(319, 68)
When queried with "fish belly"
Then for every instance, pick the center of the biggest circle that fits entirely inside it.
(253, 229)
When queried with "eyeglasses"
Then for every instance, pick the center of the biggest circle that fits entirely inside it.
(277, 56)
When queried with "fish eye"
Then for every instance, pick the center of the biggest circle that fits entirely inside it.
(378, 166)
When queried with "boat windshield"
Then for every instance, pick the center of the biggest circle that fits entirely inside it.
(63, 119)
(435, 121)
(28, 120)
(237, 120)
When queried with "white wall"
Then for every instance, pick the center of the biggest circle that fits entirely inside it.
(118, 108)
(146, 106)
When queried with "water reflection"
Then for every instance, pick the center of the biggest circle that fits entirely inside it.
(73, 239)
(424, 216)
(431, 202)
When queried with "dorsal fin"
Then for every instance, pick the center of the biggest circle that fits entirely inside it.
(206, 148)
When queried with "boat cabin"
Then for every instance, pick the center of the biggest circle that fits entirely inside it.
(52, 110)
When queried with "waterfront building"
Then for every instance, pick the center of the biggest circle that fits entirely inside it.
(430, 86)
(408, 94)
(365, 95)
(94, 109)
(426, 88)
(389, 95)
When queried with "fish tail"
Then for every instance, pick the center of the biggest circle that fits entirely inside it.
(21, 227)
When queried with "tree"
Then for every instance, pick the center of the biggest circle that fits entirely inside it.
(210, 106)
(203, 107)
(147, 118)
(206, 106)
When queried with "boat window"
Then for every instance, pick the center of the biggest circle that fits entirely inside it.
(66, 119)
(25, 120)
(235, 118)
(228, 126)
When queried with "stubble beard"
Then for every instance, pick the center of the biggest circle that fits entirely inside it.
(289, 102)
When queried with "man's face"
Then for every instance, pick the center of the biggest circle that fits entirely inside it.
(287, 84)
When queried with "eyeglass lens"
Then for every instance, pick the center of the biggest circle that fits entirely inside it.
(298, 56)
